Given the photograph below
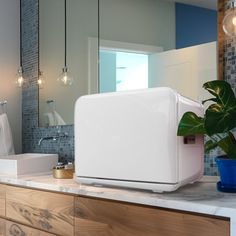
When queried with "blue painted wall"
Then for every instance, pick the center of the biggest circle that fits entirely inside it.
(194, 25)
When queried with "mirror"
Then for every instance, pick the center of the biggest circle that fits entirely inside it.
(143, 43)
(56, 102)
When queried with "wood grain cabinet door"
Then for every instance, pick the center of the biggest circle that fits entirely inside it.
(2, 227)
(2, 199)
(15, 229)
(48, 211)
(107, 218)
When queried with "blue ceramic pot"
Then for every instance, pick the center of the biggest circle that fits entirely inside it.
(227, 169)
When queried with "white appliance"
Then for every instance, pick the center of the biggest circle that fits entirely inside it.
(129, 139)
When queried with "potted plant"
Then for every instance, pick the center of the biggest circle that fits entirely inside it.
(217, 124)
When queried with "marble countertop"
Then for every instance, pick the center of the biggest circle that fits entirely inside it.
(201, 197)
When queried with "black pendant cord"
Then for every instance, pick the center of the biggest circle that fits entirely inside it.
(65, 33)
(20, 33)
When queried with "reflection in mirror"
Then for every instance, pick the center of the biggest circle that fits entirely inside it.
(82, 23)
(124, 66)
(131, 70)
(143, 44)
(182, 32)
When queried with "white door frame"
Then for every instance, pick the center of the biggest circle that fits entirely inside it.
(93, 56)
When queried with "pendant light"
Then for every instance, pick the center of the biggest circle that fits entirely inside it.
(65, 78)
(229, 21)
(41, 80)
(19, 78)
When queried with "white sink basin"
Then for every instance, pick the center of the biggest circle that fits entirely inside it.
(27, 163)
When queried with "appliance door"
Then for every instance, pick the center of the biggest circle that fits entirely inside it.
(127, 136)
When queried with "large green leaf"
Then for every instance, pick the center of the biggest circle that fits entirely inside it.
(221, 116)
(209, 145)
(222, 92)
(232, 137)
(228, 145)
(219, 119)
(191, 124)
(210, 99)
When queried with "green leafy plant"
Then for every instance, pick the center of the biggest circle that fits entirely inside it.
(218, 121)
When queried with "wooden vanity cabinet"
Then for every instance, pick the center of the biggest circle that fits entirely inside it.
(10, 228)
(95, 217)
(2, 199)
(30, 212)
(15, 229)
(52, 212)
(2, 227)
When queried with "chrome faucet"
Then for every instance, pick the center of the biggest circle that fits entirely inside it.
(59, 135)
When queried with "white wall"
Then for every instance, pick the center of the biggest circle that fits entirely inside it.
(82, 23)
(185, 70)
(9, 63)
(150, 22)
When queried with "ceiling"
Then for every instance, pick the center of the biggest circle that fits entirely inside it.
(211, 4)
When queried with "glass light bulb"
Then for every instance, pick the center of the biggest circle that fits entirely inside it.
(41, 80)
(65, 78)
(19, 78)
(229, 23)
(234, 20)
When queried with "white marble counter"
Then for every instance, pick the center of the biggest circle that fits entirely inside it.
(201, 197)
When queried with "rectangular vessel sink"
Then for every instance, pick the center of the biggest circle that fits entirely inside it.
(27, 163)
